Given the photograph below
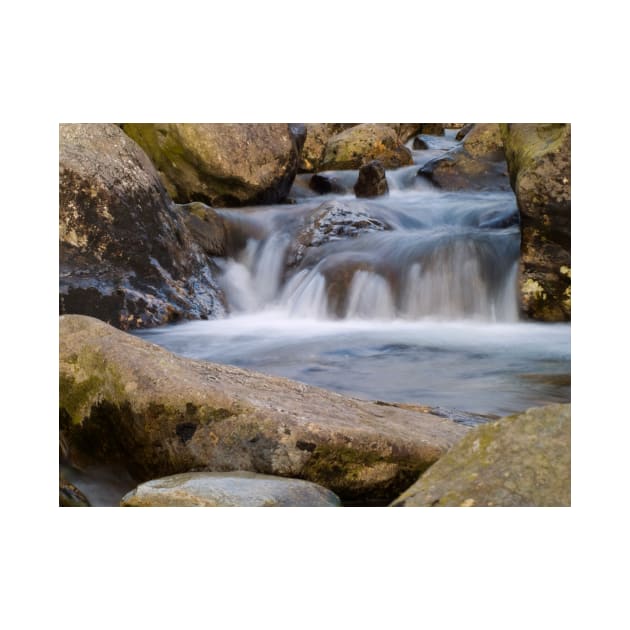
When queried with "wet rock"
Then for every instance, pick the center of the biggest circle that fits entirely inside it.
(372, 181)
(70, 495)
(317, 135)
(539, 163)
(127, 401)
(332, 220)
(323, 185)
(461, 134)
(126, 255)
(477, 164)
(231, 489)
(206, 227)
(222, 164)
(419, 144)
(521, 460)
(363, 143)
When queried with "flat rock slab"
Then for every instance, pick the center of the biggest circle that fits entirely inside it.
(520, 460)
(233, 489)
(125, 400)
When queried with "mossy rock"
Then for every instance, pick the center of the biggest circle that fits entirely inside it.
(125, 254)
(363, 143)
(520, 460)
(221, 164)
(539, 162)
(317, 135)
(125, 401)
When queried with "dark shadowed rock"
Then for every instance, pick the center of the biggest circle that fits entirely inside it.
(206, 226)
(461, 134)
(432, 129)
(363, 143)
(325, 184)
(126, 255)
(230, 489)
(222, 164)
(372, 181)
(521, 460)
(419, 144)
(70, 495)
(539, 162)
(123, 400)
(477, 164)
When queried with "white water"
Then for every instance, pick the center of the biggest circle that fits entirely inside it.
(425, 311)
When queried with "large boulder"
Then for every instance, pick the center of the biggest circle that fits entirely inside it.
(521, 460)
(231, 489)
(477, 164)
(222, 164)
(363, 143)
(125, 254)
(125, 401)
(539, 162)
(317, 135)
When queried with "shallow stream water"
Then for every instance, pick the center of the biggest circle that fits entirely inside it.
(418, 304)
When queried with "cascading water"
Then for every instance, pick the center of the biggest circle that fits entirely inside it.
(411, 297)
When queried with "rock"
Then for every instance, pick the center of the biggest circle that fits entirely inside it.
(126, 256)
(332, 220)
(405, 131)
(317, 135)
(222, 164)
(521, 460)
(230, 489)
(206, 227)
(461, 134)
(477, 164)
(453, 125)
(323, 185)
(432, 129)
(70, 495)
(419, 144)
(123, 400)
(539, 163)
(372, 181)
(363, 143)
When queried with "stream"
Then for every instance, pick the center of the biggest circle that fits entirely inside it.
(411, 297)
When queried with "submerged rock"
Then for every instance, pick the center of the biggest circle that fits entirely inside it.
(229, 489)
(363, 143)
(222, 164)
(372, 181)
(126, 255)
(539, 162)
(520, 460)
(128, 401)
(477, 164)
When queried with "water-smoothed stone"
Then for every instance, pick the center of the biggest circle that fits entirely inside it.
(332, 220)
(419, 144)
(477, 164)
(206, 226)
(229, 489)
(221, 164)
(125, 254)
(372, 181)
(123, 400)
(70, 495)
(520, 460)
(539, 163)
(363, 143)
(317, 135)
(463, 132)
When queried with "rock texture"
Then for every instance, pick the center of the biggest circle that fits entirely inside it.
(125, 400)
(372, 181)
(363, 143)
(317, 135)
(222, 164)
(477, 164)
(232, 489)
(521, 460)
(126, 255)
(539, 162)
